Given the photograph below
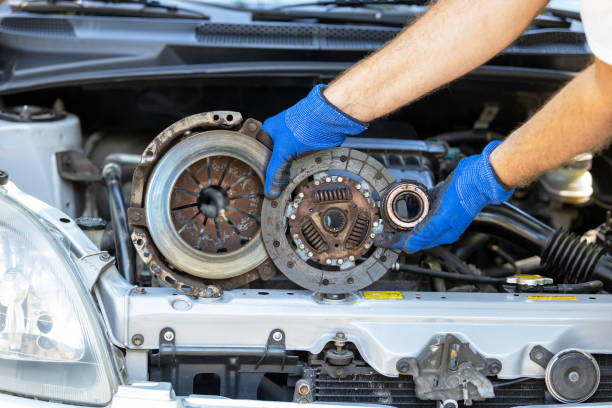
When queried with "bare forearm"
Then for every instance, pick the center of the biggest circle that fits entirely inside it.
(576, 120)
(451, 39)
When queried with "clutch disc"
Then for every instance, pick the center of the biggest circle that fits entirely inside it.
(196, 203)
(320, 231)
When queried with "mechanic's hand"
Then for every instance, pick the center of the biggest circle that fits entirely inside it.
(311, 124)
(456, 201)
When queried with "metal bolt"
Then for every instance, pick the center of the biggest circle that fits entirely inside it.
(295, 236)
(302, 246)
(277, 335)
(328, 261)
(301, 195)
(495, 367)
(351, 258)
(538, 355)
(296, 205)
(358, 186)
(137, 340)
(339, 371)
(340, 335)
(403, 366)
(105, 256)
(573, 376)
(367, 245)
(310, 254)
(140, 290)
(292, 216)
(169, 335)
(136, 217)
(375, 224)
(340, 179)
(317, 182)
(304, 389)
(340, 261)
(366, 194)
(328, 179)
(372, 235)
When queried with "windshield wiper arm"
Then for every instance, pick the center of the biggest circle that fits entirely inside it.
(140, 8)
(390, 18)
(351, 3)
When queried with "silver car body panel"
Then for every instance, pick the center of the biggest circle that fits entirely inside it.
(502, 326)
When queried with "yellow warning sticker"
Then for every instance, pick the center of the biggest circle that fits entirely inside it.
(382, 294)
(527, 276)
(552, 298)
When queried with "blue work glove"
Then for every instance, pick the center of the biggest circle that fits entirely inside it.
(456, 201)
(311, 124)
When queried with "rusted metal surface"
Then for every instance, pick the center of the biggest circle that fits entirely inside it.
(242, 190)
(243, 195)
(333, 219)
(343, 184)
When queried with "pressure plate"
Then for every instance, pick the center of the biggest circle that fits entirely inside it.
(196, 203)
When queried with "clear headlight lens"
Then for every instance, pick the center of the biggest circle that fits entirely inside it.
(51, 344)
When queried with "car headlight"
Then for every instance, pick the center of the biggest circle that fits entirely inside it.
(51, 343)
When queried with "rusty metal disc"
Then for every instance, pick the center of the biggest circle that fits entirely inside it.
(321, 230)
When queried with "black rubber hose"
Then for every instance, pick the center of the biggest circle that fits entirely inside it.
(448, 275)
(508, 222)
(563, 255)
(451, 261)
(124, 250)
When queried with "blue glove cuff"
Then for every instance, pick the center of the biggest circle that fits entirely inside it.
(318, 124)
(476, 172)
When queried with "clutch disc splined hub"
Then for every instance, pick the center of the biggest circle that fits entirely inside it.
(320, 231)
(196, 202)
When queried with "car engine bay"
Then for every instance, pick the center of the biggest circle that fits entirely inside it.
(220, 291)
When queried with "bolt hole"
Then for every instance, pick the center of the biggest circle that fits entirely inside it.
(336, 245)
(343, 158)
(290, 264)
(442, 297)
(592, 298)
(64, 220)
(290, 293)
(263, 293)
(276, 244)
(229, 118)
(325, 282)
(516, 295)
(215, 117)
(318, 160)
(149, 154)
(139, 242)
(383, 258)
(350, 281)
